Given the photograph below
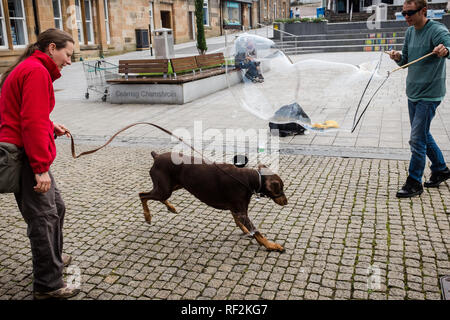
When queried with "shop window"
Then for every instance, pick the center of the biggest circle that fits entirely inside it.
(232, 13)
(205, 13)
(57, 14)
(18, 24)
(3, 39)
(108, 35)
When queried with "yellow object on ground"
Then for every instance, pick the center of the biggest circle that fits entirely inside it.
(327, 124)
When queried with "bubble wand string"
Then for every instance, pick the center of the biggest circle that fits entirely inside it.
(364, 92)
(384, 81)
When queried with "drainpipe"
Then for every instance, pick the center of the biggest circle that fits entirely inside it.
(220, 18)
(36, 19)
(259, 11)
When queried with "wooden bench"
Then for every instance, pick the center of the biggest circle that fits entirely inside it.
(211, 63)
(184, 69)
(214, 60)
(184, 65)
(153, 67)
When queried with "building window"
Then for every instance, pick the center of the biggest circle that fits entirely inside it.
(89, 24)
(79, 21)
(108, 35)
(18, 25)
(57, 14)
(266, 9)
(3, 39)
(205, 13)
(232, 13)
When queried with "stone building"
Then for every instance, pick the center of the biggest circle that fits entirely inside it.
(273, 9)
(104, 27)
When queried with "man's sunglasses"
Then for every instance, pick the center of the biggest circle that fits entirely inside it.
(410, 13)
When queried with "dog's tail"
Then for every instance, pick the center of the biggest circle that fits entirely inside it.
(154, 154)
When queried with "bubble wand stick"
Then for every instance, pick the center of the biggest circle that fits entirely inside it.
(412, 62)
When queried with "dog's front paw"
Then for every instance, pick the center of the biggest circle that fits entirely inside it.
(276, 247)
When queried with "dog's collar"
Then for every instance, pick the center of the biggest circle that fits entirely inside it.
(260, 181)
(259, 192)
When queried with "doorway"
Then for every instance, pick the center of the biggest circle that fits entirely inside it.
(165, 19)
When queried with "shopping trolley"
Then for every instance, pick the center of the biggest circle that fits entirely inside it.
(97, 72)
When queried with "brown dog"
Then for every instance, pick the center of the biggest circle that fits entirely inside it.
(222, 186)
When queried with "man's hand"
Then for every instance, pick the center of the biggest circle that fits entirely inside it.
(440, 51)
(43, 182)
(395, 55)
(61, 130)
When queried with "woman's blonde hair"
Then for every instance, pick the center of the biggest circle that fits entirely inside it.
(52, 35)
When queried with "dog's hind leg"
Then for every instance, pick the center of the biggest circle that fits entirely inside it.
(161, 192)
(145, 196)
(169, 206)
(153, 195)
(245, 221)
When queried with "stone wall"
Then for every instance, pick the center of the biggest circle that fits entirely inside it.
(124, 17)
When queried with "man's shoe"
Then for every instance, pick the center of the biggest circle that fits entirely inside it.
(410, 189)
(436, 178)
(62, 293)
(66, 259)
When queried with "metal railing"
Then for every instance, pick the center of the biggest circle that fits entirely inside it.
(283, 44)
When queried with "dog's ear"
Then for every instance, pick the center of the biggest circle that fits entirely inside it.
(260, 165)
(275, 187)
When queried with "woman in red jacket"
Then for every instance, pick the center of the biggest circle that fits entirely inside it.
(26, 101)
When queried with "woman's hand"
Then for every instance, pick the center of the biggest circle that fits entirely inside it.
(43, 182)
(60, 130)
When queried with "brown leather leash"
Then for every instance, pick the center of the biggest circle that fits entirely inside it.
(72, 146)
(119, 132)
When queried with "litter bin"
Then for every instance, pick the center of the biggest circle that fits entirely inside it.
(142, 42)
(320, 12)
(163, 43)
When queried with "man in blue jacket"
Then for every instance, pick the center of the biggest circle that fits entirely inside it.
(425, 89)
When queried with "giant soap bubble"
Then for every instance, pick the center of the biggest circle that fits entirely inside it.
(317, 94)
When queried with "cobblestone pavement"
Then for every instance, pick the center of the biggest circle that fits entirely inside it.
(342, 228)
